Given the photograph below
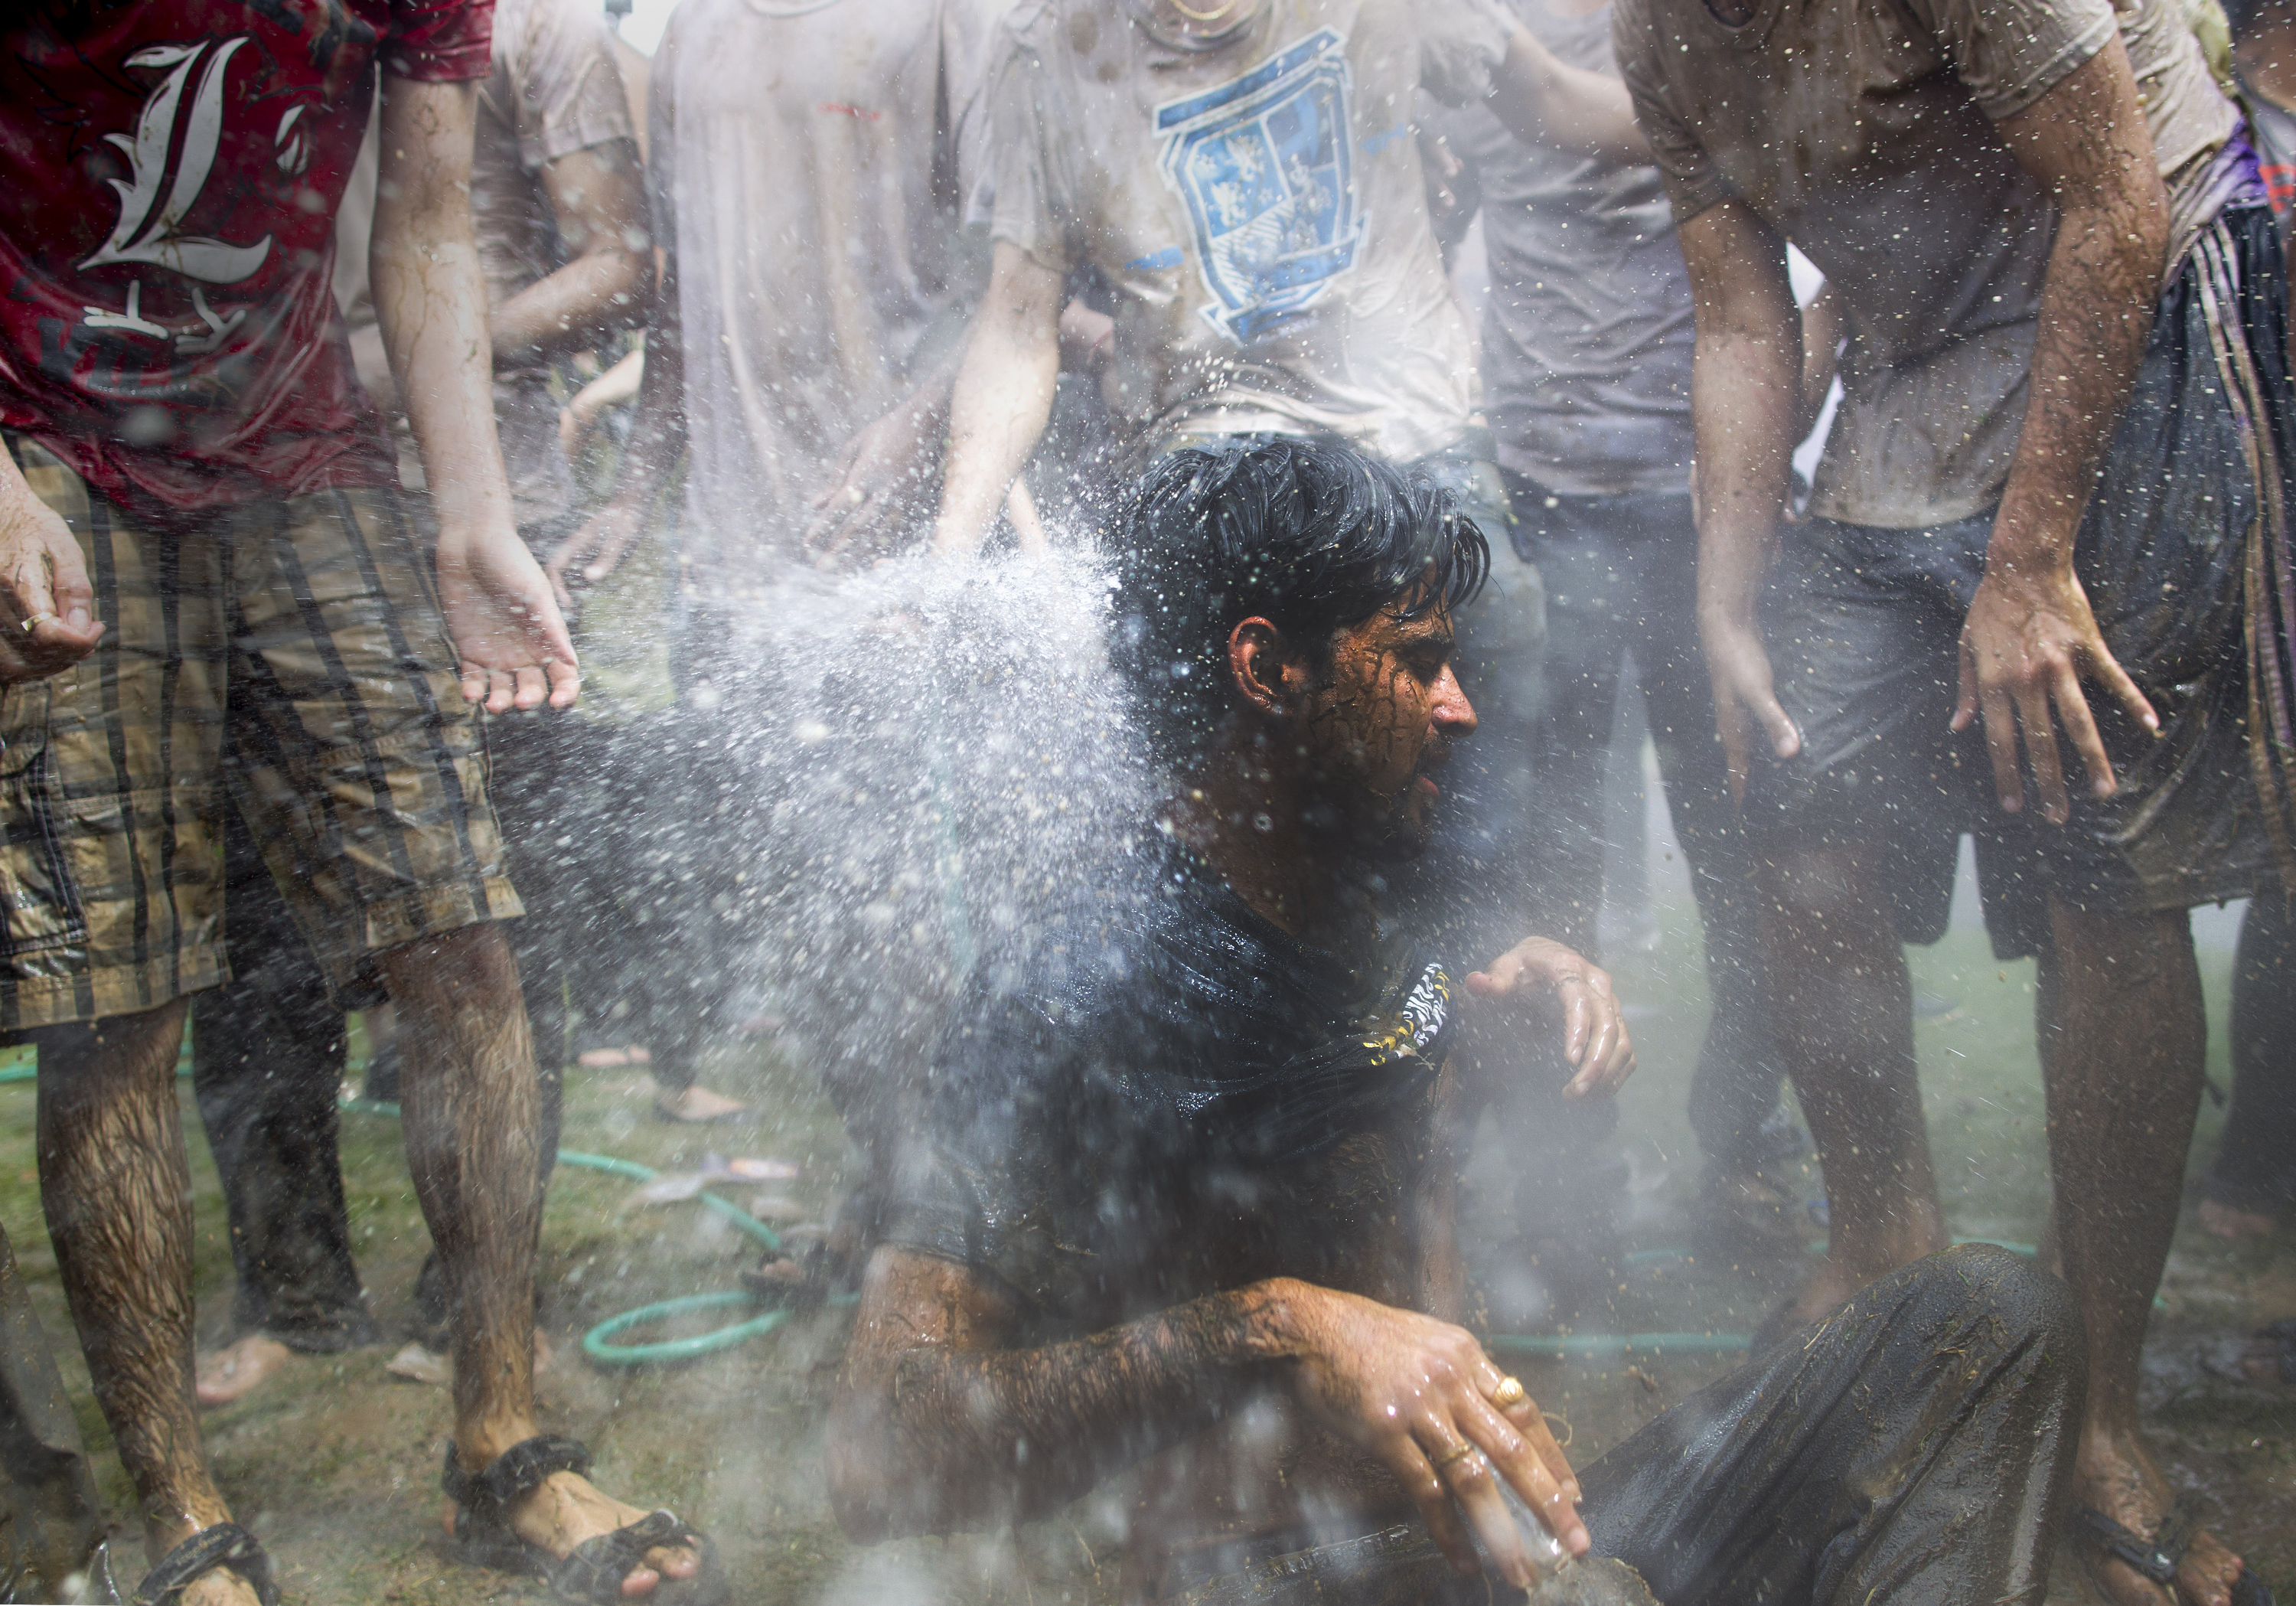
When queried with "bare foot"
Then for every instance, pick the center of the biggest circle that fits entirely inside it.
(2116, 1475)
(696, 1105)
(221, 1587)
(614, 1059)
(2225, 1221)
(566, 1511)
(237, 1369)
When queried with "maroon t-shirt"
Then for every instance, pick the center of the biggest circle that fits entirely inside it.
(170, 171)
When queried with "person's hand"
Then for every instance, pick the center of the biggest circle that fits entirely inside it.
(1745, 697)
(1087, 340)
(43, 582)
(1416, 1393)
(508, 633)
(1594, 1041)
(589, 555)
(2025, 646)
(883, 467)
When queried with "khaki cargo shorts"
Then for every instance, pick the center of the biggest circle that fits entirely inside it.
(289, 656)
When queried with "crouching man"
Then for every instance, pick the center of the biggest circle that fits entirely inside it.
(1182, 1206)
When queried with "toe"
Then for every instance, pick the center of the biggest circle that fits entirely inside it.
(678, 1562)
(639, 1582)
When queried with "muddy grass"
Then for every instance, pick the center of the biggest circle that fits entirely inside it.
(335, 1465)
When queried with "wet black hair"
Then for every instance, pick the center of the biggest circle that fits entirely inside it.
(1311, 535)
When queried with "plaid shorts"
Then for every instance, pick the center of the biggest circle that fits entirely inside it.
(290, 651)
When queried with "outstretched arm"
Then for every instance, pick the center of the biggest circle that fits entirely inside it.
(597, 199)
(938, 1425)
(431, 301)
(1745, 393)
(657, 440)
(1544, 103)
(2030, 637)
(1004, 395)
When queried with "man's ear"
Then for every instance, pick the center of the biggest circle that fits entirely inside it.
(1257, 654)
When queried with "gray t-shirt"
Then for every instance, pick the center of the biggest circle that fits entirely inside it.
(807, 165)
(555, 89)
(1863, 131)
(1586, 333)
(1257, 208)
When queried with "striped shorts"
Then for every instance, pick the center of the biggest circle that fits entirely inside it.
(291, 653)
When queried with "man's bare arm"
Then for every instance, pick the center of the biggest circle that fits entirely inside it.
(1004, 395)
(1542, 102)
(431, 301)
(938, 1424)
(2030, 637)
(597, 198)
(657, 440)
(1745, 390)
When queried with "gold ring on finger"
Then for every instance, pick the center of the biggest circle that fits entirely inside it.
(1509, 1394)
(36, 622)
(1456, 1452)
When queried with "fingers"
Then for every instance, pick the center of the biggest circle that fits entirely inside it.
(2080, 730)
(565, 683)
(1786, 741)
(1415, 1472)
(1527, 1420)
(529, 687)
(2001, 745)
(1964, 702)
(1513, 1456)
(1500, 978)
(2124, 690)
(1472, 1484)
(70, 593)
(1580, 1021)
(1736, 731)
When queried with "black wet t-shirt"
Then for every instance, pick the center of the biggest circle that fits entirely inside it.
(1159, 1094)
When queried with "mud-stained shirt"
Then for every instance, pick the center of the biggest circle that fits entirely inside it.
(1587, 335)
(1864, 132)
(807, 165)
(1256, 208)
(1161, 1094)
(555, 89)
(170, 174)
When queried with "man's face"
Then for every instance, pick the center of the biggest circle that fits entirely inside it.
(1378, 722)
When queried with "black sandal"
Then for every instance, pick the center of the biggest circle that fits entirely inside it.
(225, 1545)
(591, 1574)
(2158, 1557)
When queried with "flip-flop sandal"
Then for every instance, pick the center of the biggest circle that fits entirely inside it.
(2158, 1557)
(592, 1573)
(225, 1545)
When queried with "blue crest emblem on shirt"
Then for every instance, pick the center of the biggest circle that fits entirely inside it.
(1265, 164)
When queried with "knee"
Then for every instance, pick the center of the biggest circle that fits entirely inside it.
(2007, 1294)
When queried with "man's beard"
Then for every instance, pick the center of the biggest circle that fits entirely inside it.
(1387, 832)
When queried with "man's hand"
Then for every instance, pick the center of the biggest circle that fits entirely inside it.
(508, 633)
(2025, 649)
(880, 473)
(1594, 1039)
(1416, 1393)
(1745, 697)
(42, 578)
(590, 554)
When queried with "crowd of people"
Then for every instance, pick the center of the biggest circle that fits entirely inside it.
(428, 420)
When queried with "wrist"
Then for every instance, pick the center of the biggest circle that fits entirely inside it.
(1279, 1317)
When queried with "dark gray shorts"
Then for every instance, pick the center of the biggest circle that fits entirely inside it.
(1864, 627)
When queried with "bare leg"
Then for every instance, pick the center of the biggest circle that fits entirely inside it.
(2122, 1040)
(118, 1194)
(468, 1089)
(1844, 1027)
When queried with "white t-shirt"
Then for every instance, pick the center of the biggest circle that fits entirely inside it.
(807, 168)
(1256, 208)
(555, 89)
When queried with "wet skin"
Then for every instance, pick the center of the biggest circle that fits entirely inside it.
(1278, 1399)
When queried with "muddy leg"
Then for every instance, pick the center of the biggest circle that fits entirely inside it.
(118, 1194)
(2122, 1041)
(473, 1109)
(1844, 1027)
